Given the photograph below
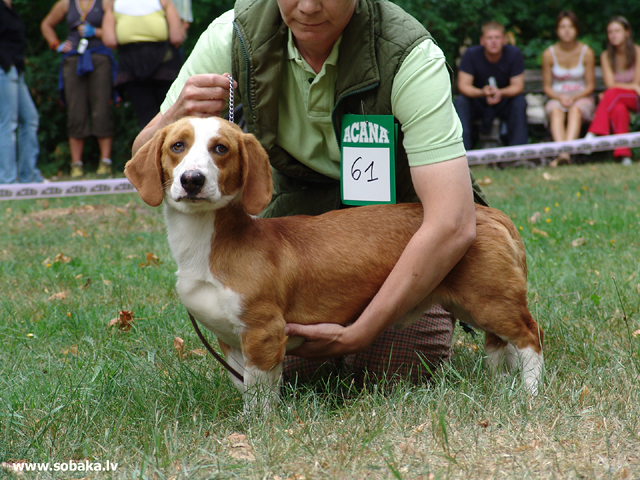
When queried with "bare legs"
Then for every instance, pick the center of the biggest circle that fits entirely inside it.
(564, 126)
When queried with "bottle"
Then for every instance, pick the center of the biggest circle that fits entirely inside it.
(82, 45)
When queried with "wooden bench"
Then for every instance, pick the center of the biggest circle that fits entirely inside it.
(536, 117)
(536, 98)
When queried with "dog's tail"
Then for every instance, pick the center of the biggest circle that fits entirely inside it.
(518, 245)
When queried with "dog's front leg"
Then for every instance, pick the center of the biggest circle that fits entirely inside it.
(263, 349)
(262, 389)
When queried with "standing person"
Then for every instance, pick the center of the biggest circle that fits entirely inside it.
(300, 66)
(184, 12)
(87, 78)
(490, 82)
(19, 146)
(568, 79)
(620, 64)
(147, 34)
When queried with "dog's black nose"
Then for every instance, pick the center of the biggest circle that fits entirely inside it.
(192, 181)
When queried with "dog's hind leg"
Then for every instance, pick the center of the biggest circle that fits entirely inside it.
(496, 350)
(517, 344)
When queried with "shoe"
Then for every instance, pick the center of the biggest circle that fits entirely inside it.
(76, 170)
(588, 136)
(626, 161)
(562, 159)
(104, 169)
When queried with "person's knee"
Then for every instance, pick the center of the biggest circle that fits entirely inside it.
(462, 103)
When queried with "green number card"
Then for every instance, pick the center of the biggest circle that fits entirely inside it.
(368, 159)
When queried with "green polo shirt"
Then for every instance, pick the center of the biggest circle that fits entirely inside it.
(421, 99)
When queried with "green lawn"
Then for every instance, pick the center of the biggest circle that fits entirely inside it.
(72, 388)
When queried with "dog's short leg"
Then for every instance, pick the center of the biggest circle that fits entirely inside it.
(529, 362)
(496, 350)
(262, 389)
(263, 350)
(236, 361)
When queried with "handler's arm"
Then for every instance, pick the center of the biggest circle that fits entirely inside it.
(203, 95)
(447, 230)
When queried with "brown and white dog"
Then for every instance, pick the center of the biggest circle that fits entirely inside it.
(244, 277)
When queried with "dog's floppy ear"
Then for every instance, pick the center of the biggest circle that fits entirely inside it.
(258, 186)
(144, 170)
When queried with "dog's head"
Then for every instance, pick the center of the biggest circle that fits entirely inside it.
(200, 164)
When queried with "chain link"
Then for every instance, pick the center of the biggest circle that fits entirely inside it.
(231, 106)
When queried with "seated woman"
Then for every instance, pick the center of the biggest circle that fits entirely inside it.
(568, 79)
(621, 74)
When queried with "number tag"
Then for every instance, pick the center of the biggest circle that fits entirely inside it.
(368, 159)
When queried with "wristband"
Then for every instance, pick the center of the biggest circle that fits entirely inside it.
(89, 30)
(55, 45)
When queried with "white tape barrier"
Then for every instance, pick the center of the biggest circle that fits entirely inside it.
(552, 149)
(20, 191)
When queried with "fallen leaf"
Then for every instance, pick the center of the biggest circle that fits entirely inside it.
(485, 181)
(584, 393)
(124, 320)
(420, 428)
(73, 350)
(483, 423)
(535, 217)
(636, 333)
(80, 233)
(86, 285)
(58, 296)
(61, 258)
(178, 345)
(542, 233)
(578, 242)
(152, 260)
(239, 448)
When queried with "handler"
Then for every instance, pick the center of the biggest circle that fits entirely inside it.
(300, 65)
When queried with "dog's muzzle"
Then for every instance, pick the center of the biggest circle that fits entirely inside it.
(192, 181)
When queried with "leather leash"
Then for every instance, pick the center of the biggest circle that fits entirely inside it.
(215, 354)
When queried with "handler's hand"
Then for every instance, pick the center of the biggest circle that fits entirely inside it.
(325, 340)
(203, 95)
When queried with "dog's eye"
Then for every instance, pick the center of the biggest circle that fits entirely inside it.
(220, 149)
(177, 147)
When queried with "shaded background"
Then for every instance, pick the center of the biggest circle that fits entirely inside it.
(453, 23)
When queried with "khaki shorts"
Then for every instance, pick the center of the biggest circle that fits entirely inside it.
(88, 98)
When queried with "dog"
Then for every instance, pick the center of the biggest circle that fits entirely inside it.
(245, 277)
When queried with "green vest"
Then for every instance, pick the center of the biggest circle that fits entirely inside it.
(378, 38)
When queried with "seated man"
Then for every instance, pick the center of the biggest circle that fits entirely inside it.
(490, 82)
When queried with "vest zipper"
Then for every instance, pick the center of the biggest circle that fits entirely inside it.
(333, 121)
(246, 60)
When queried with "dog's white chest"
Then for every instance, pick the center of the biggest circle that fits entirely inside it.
(217, 307)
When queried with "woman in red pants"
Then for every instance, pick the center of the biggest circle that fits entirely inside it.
(621, 74)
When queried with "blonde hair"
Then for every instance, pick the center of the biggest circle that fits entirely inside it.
(492, 25)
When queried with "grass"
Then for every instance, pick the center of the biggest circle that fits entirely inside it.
(73, 388)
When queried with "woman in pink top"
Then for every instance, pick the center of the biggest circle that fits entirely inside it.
(568, 79)
(621, 74)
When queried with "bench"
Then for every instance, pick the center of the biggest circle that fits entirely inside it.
(536, 117)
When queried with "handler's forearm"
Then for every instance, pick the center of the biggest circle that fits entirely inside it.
(511, 90)
(427, 259)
